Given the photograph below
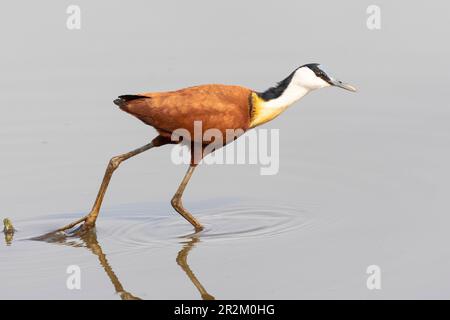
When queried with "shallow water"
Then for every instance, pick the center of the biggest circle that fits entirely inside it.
(136, 233)
(363, 178)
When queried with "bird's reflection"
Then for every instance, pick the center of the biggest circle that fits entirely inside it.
(8, 238)
(182, 262)
(88, 239)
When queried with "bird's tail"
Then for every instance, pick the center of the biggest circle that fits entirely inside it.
(122, 100)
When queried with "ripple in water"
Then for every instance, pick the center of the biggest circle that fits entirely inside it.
(147, 225)
(226, 222)
(125, 232)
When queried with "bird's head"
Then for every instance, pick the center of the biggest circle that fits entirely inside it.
(271, 102)
(313, 76)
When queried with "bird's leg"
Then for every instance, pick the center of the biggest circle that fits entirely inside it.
(177, 204)
(112, 166)
(89, 220)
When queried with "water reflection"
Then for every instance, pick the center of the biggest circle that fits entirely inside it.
(88, 239)
(182, 262)
(133, 229)
(8, 238)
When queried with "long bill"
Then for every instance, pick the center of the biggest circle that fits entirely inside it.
(340, 84)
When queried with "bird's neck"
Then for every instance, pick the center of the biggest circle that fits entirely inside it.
(271, 103)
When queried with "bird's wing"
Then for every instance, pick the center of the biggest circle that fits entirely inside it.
(216, 106)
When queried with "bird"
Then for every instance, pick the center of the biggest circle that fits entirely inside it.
(215, 106)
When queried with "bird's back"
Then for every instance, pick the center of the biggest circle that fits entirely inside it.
(217, 106)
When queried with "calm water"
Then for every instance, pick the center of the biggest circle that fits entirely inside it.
(136, 235)
(363, 179)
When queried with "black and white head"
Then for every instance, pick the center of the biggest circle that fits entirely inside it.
(302, 80)
(314, 76)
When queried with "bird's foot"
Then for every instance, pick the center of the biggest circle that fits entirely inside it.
(85, 224)
(77, 228)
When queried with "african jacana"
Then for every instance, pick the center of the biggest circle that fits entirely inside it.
(222, 107)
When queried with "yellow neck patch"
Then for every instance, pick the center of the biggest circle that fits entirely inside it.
(261, 113)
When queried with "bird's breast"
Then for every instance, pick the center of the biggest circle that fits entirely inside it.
(262, 111)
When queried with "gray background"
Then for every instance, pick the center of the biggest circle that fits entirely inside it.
(365, 176)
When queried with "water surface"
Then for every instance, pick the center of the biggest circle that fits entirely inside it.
(363, 178)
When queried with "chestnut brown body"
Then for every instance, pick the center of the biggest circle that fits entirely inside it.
(214, 106)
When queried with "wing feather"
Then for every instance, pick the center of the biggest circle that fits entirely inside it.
(216, 106)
